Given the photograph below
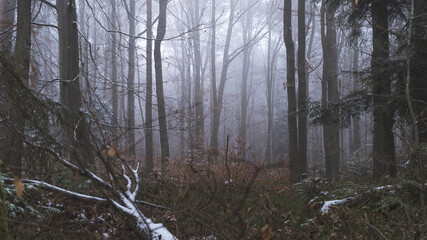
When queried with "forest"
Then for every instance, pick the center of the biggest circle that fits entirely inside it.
(213, 119)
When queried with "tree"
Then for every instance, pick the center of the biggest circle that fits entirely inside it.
(7, 20)
(302, 90)
(131, 78)
(218, 95)
(330, 86)
(246, 35)
(384, 162)
(290, 85)
(161, 31)
(198, 93)
(149, 92)
(419, 71)
(76, 132)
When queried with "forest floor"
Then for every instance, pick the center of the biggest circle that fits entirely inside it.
(235, 200)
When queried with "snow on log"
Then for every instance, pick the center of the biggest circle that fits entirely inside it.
(327, 204)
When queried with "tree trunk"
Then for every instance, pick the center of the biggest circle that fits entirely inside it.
(131, 80)
(330, 88)
(7, 18)
(269, 99)
(247, 25)
(419, 71)
(198, 94)
(290, 85)
(114, 94)
(384, 162)
(214, 147)
(218, 96)
(70, 84)
(149, 92)
(302, 90)
(161, 31)
(355, 123)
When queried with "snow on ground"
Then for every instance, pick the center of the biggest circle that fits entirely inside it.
(327, 204)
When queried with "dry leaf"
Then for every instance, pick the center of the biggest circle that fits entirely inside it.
(112, 152)
(267, 232)
(357, 2)
(19, 186)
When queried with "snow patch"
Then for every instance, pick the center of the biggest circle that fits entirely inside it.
(327, 204)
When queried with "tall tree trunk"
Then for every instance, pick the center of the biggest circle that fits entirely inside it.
(70, 83)
(198, 94)
(290, 84)
(161, 31)
(419, 71)
(355, 121)
(330, 87)
(22, 60)
(269, 99)
(247, 25)
(149, 92)
(114, 94)
(384, 162)
(213, 102)
(219, 96)
(302, 90)
(131, 80)
(7, 19)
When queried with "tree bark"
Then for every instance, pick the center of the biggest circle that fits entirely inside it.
(114, 94)
(161, 31)
(198, 93)
(330, 88)
(218, 96)
(302, 90)
(290, 85)
(419, 70)
(384, 162)
(355, 121)
(131, 80)
(70, 94)
(149, 92)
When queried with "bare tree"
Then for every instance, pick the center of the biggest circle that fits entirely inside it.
(149, 92)
(161, 31)
(330, 86)
(302, 90)
(76, 132)
(290, 85)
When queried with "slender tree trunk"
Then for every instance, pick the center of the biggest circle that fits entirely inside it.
(149, 92)
(269, 99)
(114, 94)
(302, 90)
(131, 80)
(355, 123)
(219, 95)
(198, 94)
(161, 31)
(22, 60)
(384, 162)
(290, 85)
(214, 100)
(7, 20)
(70, 84)
(419, 70)
(247, 25)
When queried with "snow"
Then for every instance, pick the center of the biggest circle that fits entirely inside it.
(327, 204)
(84, 196)
(382, 187)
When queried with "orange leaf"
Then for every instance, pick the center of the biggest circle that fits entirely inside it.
(267, 232)
(112, 152)
(19, 186)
